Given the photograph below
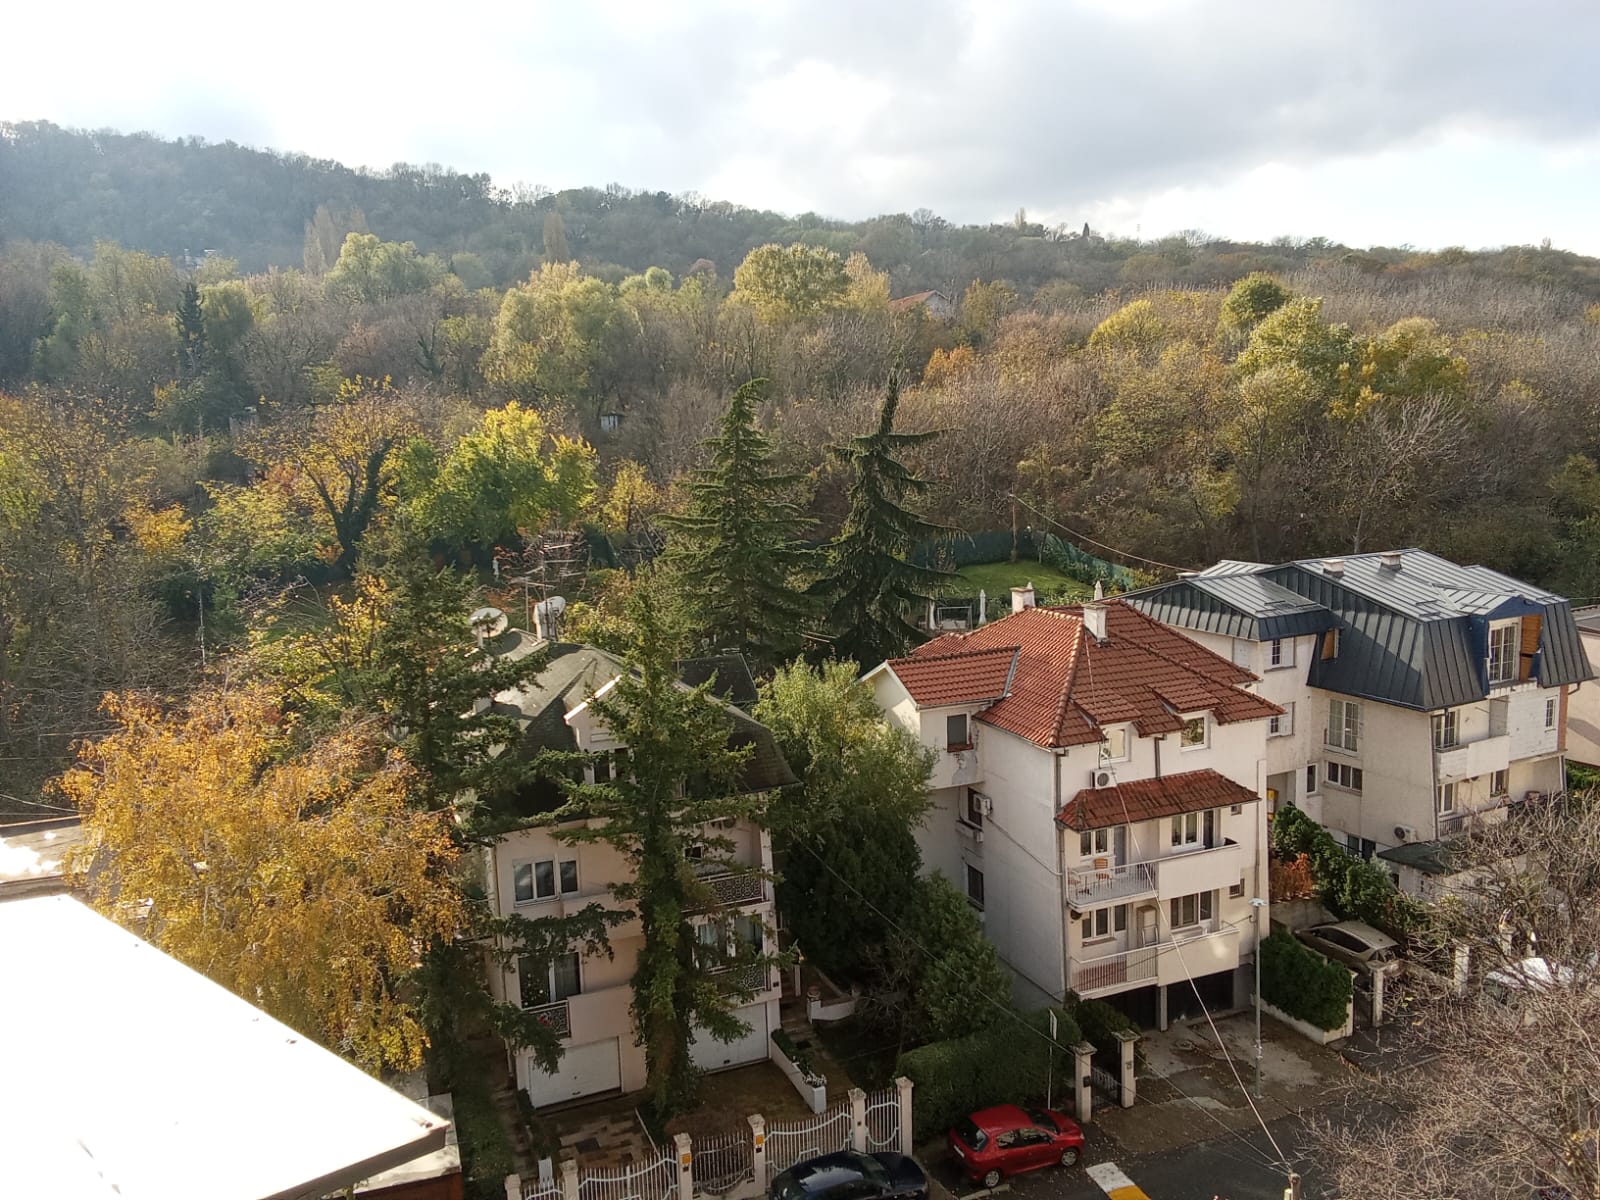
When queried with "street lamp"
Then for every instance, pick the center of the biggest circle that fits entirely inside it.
(1256, 905)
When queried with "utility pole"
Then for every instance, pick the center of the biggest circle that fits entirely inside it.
(1292, 1192)
(1256, 905)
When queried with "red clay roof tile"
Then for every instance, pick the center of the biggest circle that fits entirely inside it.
(972, 677)
(1151, 800)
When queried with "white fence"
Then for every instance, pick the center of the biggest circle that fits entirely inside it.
(656, 1180)
(721, 1164)
(796, 1141)
(883, 1120)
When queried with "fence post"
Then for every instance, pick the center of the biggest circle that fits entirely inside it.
(681, 1143)
(1377, 995)
(903, 1096)
(513, 1187)
(1082, 1095)
(858, 1120)
(569, 1179)
(758, 1150)
(1129, 1080)
(1463, 970)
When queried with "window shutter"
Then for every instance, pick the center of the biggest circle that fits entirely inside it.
(1330, 644)
(1531, 627)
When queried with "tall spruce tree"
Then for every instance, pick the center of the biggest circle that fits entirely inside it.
(681, 776)
(869, 588)
(191, 325)
(739, 541)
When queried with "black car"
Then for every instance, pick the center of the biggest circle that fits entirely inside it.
(851, 1176)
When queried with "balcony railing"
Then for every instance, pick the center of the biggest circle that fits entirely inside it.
(735, 887)
(1114, 970)
(1091, 885)
(1466, 760)
(1195, 952)
(1187, 870)
(755, 978)
(556, 1017)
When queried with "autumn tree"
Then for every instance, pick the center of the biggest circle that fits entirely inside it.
(1254, 297)
(737, 539)
(295, 875)
(868, 586)
(370, 271)
(796, 282)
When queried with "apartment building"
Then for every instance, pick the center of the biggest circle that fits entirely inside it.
(1097, 793)
(532, 873)
(1420, 698)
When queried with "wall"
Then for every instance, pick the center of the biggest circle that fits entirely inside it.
(1583, 711)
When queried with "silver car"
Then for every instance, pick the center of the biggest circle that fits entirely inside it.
(1357, 945)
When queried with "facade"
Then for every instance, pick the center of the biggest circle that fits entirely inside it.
(1097, 795)
(1420, 697)
(532, 874)
(937, 305)
(1583, 704)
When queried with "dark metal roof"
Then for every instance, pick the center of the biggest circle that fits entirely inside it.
(1444, 856)
(1588, 619)
(1233, 603)
(727, 673)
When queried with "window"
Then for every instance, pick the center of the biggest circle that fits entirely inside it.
(1236, 810)
(1330, 645)
(1445, 798)
(1280, 652)
(1446, 729)
(1344, 725)
(1236, 890)
(974, 885)
(1345, 776)
(1104, 922)
(1281, 726)
(1193, 829)
(601, 769)
(974, 811)
(537, 880)
(1194, 733)
(569, 876)
(522, 881)
(955, 732)
(1115, 746)
(548, 983)
(1191, 910)
(1500, 783)
(1550, 714)
(1094, 841)
(1504, 644)
(1311, 779)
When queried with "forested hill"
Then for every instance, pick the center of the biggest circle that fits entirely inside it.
(260, 208)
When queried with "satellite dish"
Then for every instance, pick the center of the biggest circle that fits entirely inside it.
(488, 623)
(547, 617)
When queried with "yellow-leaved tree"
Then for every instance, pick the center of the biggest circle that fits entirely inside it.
(297, 877)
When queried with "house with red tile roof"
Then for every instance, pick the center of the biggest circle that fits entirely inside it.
(1097, 793)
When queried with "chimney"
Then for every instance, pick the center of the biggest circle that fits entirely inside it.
(1022, 597)
(1094, 620)
(1099, 590)
(1333, 566)
(1390, 559)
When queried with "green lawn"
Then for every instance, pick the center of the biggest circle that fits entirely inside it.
(997, 579)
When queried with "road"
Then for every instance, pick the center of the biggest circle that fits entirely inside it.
(1229, 1168)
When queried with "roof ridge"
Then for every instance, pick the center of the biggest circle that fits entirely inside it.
(972, 653)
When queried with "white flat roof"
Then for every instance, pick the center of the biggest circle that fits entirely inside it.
(125, 1074)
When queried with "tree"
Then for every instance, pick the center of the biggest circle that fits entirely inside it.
(1512, 1085)
(1254, 297)
(797, 282)
(683, 776)
(555, 239)
(191, 329)
(370, 271)
(737, 539)
(551, 334)
(868, 587)
(293, 875)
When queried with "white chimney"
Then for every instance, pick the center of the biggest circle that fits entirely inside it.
(547, 617)
(983, 606)
(1333, 566)
(1094, 620)
(1099, 590)
(1022, 597)
(1390, 559)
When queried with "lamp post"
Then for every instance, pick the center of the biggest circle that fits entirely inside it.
(1256, 905)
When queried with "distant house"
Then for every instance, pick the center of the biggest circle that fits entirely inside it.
(937, 305)
(33, 856)
(1583, 703)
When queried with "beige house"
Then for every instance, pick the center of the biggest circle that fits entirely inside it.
(531, 873)
(1097, 795)
(1583, 704)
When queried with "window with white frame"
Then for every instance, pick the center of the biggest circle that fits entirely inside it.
(1500, 782)
(1344, 725)
(1280, 652)
(956, 734)
(1282, 725)
(974, 885)
(1115, 746)
(1105, 922)
(543, 879)
(1505, 644)
(1193, 736)
(548, 982)
(1094, 841)
(1550, 713)
(1236, 890)
(1446, 729)
(1191, 829)
(1187, 911)
(1344, 775)
(1445, 798)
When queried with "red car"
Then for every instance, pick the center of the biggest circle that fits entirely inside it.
(1007, 1140)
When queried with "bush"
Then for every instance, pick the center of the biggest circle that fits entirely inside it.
(999, 1065)
(1353, 890)
(801, 1058)
(1303, 983)
(486, 1157)
(1101, 1023)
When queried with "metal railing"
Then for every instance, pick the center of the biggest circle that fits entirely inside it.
(722, 1162)
(795, 1141)
(735, 887)
(657, 1180)
(1109, 882)
(755, 978)
(883, 1120)
(557, 1017)
(1114, 970)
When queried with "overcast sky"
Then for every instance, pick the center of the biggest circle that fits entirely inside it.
(1428, 122)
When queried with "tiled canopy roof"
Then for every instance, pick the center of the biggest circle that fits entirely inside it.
(962, 678)
(1065, 685)
(1151, 800)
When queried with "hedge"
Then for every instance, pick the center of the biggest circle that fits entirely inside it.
(1303, 983)
(999, 1065)
(486, 1155)
(1101, 1023)
(1352, 889)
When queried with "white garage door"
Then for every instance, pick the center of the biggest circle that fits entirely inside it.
(584, 1071)
(711, 1055)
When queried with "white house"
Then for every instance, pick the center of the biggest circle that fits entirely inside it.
(1420, 697)
(532, 873)
(1097, 794)
(1583, 704)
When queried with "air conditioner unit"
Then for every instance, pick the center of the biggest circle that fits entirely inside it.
(986, 806)
(1102, 778)
(1404, 833)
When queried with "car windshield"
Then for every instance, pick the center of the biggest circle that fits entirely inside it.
(971, 1134)
(872, 1171)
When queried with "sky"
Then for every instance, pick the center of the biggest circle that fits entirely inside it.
(1395, 122)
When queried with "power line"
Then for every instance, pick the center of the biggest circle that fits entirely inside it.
(1083, 537)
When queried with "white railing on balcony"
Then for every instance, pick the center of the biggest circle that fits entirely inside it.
(556, 1016)
(1195, 952)
(1178, 873)
(1114, 970)
(1106, 882)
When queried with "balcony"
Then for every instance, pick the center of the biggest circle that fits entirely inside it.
(1471, 759)
(556, 1017)
(755, 978)
(1178, 874)
(1114, 972)
(734, 887)
(954, 767)
(1101, 884)
(1193, 953)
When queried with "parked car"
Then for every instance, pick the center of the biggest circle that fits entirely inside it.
(851, 1176)
(1356, 945)
(1008, 1140)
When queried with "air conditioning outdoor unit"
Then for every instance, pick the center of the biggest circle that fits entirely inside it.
(986, 806)
(1404, 833)
(1102, 778)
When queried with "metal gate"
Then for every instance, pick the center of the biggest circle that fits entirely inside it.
(883, 1120)
(1107, 1083)
(656, 1180)
(796, 1141)
(721, 1163)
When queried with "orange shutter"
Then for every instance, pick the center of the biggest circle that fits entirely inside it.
(1530, 645)
(1330, 643)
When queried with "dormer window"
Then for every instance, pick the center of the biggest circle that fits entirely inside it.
(1505, 640)
(1193, 736)
(1115, 746)
(956, 734)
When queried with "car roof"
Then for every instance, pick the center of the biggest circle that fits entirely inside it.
(1359, 929)
(1000, 1117)
(823, 1171)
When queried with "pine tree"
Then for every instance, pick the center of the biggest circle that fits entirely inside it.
(738, 541)
(191, 329)
(681, 775)
(869, 587)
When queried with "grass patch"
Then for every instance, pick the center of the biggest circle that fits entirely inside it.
(997, 579)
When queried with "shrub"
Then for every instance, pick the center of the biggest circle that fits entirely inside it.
(799, 1056)
(1352, 889)
(1101, 1023)
(1303, 983)
(486, 1156)
(1001, 1064)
